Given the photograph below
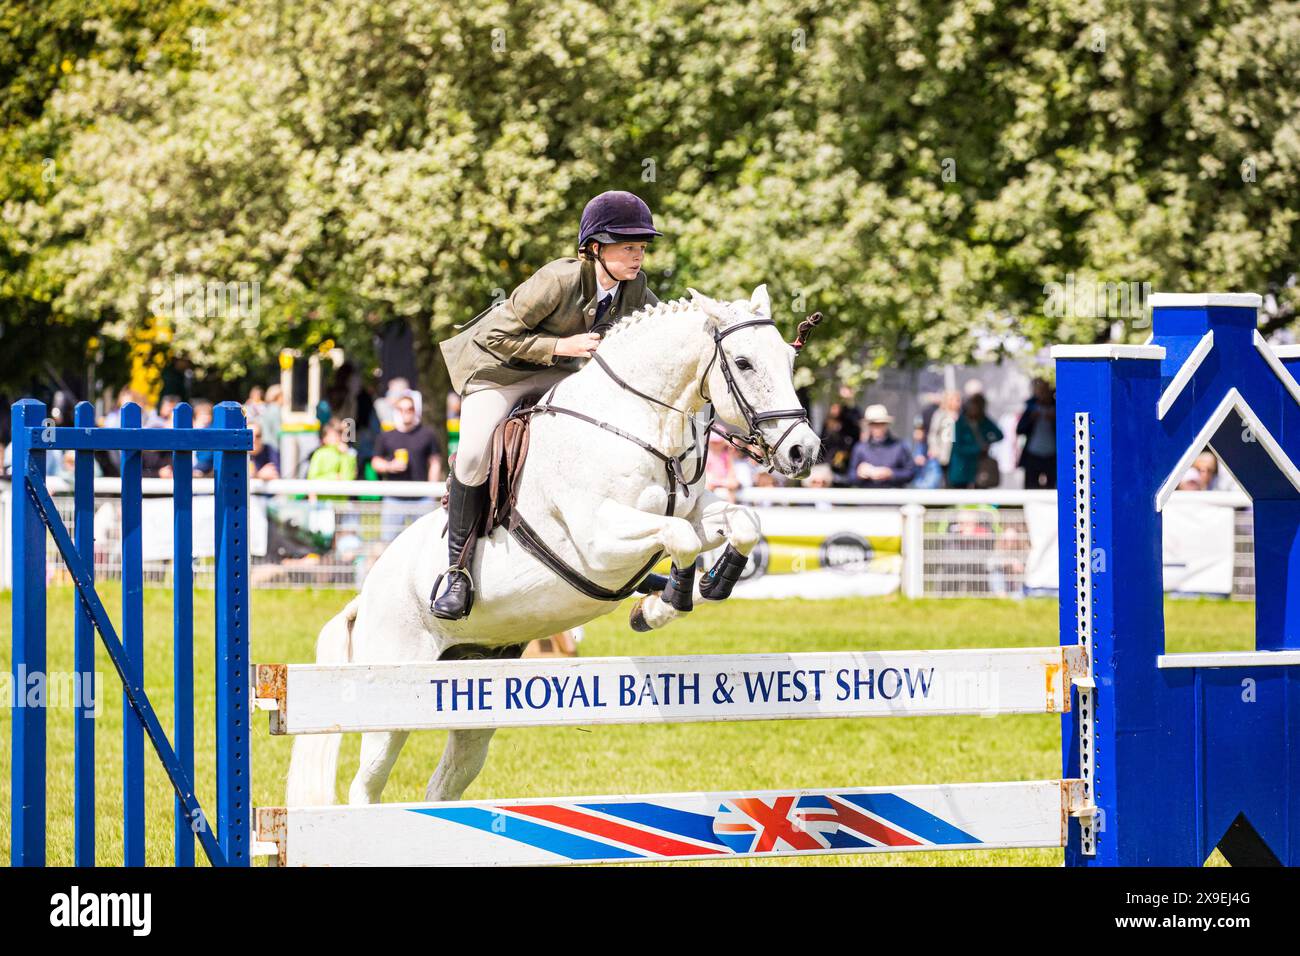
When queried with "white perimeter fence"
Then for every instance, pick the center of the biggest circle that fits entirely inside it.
(994, 543)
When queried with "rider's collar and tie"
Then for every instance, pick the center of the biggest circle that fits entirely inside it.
(601, 323)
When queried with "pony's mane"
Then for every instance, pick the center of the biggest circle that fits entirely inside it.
(634, 320)
(670, 307)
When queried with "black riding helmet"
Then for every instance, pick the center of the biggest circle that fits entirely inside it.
(616, 216)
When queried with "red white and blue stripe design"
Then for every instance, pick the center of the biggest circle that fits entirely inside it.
(761, 824)
(684, 826)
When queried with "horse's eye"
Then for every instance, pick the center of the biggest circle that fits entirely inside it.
(743, 364)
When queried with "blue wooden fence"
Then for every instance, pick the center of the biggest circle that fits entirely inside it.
(33, 513)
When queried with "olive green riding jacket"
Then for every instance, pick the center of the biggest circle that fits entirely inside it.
(516, 338)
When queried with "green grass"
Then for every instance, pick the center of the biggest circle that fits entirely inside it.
(617, 760)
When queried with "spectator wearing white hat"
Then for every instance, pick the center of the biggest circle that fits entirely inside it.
(880, 460)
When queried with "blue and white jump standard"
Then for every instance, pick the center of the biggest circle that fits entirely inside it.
(1180, 753)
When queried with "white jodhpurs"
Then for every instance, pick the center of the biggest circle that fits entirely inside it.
(481, 411)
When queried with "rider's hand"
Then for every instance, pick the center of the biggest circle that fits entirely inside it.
(580, 345)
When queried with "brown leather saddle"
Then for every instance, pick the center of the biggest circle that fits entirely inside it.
(509, 449)
(509, 452)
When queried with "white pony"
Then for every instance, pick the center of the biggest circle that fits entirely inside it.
(596, 498)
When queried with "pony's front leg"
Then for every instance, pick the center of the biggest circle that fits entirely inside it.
(616, 534)
(718, 520)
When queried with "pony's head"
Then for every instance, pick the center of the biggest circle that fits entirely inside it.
(750, 381)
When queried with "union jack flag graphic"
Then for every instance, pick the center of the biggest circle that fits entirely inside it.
(771, 823)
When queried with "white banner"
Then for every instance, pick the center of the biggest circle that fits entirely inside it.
(1041, 567)
(311, 698)
(157, 520)
(1198, 547)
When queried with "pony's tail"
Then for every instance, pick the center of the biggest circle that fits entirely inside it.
(313, 765)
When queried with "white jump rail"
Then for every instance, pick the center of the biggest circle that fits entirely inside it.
(658, 690)
(1235, 659)
(314, 699)
(684, 826)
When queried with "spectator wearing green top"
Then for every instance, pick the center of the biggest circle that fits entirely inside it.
(333, 460)
(971, 465)
(269, 414)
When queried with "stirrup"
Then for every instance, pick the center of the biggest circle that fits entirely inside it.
(437, 584)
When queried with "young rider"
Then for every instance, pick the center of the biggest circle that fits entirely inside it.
(539, 335)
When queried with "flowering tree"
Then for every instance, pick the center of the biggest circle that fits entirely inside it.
(924, 173)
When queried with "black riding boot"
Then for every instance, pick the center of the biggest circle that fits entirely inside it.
(463, 510)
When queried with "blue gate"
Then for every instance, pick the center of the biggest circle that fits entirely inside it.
(33, 513)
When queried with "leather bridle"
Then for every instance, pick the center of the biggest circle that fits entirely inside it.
(752, 417)
(745, 444)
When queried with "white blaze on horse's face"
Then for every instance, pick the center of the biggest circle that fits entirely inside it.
(762, 370)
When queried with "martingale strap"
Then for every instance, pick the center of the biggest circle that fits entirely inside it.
(672, 465)
(532, 542)
(695, 435)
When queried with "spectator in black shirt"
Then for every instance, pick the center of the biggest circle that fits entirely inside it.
(837, 444)
(409, 452)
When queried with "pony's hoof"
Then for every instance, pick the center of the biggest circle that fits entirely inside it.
(637, 618)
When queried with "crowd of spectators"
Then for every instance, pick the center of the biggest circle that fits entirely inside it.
(948, 445)
(349, 436)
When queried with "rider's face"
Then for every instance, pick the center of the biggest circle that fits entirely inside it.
(623, 259)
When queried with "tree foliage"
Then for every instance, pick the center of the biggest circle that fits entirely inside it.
(918, 170)
(42, 45)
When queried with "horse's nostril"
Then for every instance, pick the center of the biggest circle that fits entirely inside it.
(796, 454)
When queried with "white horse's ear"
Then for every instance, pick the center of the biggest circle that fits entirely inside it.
(714, 309)
(759, 303)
